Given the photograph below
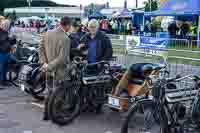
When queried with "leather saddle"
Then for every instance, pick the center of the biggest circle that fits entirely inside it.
(140, 71)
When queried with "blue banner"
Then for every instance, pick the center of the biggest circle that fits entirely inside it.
(155, 43)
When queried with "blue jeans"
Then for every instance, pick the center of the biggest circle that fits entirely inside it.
(5, 60)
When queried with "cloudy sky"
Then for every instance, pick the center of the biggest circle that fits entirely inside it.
(113, 3)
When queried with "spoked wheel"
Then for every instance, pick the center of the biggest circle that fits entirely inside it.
(62, 110)
(141, 119)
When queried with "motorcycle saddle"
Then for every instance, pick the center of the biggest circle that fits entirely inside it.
(138, 71)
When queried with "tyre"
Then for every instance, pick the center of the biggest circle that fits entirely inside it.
(39, 89)
(61, 111)
(37, 92)
(142, 122)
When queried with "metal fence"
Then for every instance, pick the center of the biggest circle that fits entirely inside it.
(175, 64)
(181, 55)
(173, 43)
(195, 43)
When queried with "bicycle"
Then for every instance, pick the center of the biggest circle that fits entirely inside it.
(165, 108)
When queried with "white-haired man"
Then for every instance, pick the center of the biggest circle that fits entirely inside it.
(97, 43)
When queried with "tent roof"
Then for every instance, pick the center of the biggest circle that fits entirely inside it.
(125, 13)
(97, 14)
(177, 7)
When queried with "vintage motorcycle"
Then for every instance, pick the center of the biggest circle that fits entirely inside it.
(32, 80)
(137, 85)
(26, 74)
(87, 88)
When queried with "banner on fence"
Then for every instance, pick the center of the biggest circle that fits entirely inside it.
(155, 43)
(147, 45)
(132, 41)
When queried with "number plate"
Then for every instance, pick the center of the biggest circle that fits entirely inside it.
(113, 101)
(22, 87)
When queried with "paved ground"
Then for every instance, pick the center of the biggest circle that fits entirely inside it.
(18, 115)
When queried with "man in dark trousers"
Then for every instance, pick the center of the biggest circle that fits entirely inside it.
(55, 54)
(172, 29)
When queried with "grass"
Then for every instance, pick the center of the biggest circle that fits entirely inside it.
(181, 55)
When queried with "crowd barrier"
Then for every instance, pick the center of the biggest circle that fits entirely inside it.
(180, 55)
(120, 41)
(176, 64)
(196, 43)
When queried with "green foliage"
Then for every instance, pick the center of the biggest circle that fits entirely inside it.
(151, 6)
(22, 3)
(156, 24)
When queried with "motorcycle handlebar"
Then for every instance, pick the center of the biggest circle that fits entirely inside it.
(174, 78)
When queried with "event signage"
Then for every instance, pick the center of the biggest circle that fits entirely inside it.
(152, 42)
(147, 45)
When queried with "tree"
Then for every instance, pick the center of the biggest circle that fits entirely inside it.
(92, 8)
(23, 3)
(3, 5)
(151, 5)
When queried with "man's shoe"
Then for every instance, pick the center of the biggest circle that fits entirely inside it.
(45, 117)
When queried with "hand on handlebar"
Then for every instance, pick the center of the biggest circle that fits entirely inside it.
(44, 68)
(174, 79)
(81, 46)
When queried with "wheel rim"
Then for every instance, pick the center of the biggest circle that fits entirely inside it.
(143, 122)
(40, 88)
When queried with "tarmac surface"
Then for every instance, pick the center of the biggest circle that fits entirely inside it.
(19, 115)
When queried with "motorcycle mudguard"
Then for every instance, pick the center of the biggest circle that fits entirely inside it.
(137, 90)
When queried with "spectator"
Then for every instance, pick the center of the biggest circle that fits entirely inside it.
(52, 48)
(104, 25)
(147, 27)
(75, 35)
(115, 27)
(6, 44)
(97, 42)
(185, 29)
(172, 29)
(193, 29)
(55, 53)
(129, 28)
(38, 25)
(2, 18)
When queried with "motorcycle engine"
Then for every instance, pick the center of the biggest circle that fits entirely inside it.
(196, 108)
(25, 73)
(179, 111)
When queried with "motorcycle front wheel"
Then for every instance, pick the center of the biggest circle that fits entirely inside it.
(37, 92)
(61, 111)
(141, 119)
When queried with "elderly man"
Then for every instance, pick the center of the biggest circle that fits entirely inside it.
(55, 53)
(97, 43)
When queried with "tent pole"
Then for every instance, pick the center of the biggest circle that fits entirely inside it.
(198, 31)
